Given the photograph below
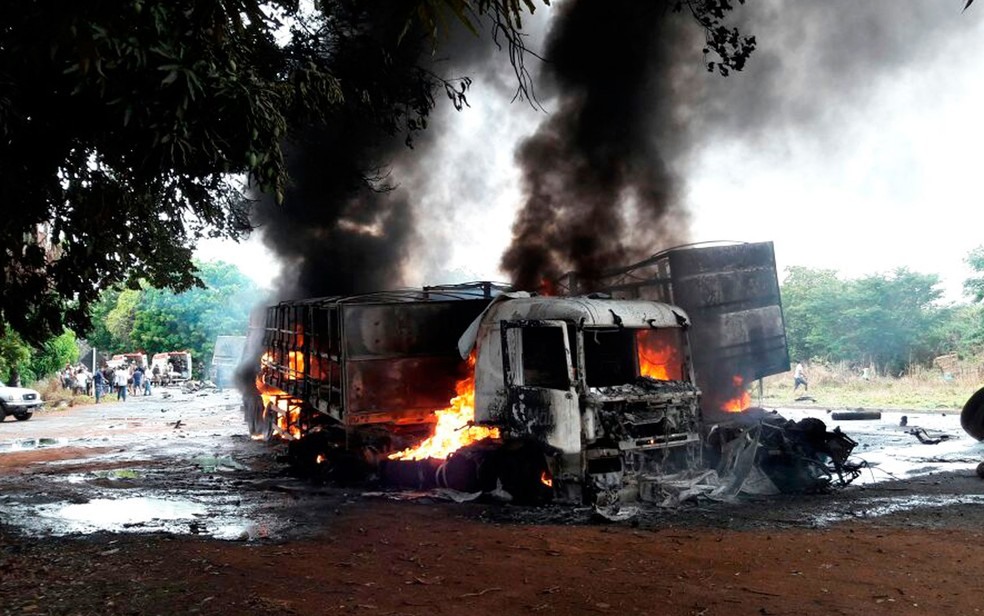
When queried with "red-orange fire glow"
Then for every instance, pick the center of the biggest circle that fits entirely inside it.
(454, 428)
(295, 363)
(741, 401)
(659, 358)
(287, 408)
(546, 479)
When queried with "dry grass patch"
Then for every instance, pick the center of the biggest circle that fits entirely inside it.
(837, 386)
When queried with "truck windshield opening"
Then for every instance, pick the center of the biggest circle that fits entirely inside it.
(619, 357)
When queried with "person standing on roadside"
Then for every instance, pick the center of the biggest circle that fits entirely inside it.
(120, 380)
(98, 380)
(138, 375)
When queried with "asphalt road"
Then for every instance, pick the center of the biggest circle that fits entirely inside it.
(183, 463)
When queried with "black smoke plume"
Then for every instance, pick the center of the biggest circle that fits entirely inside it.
(345, 225)
(600, 175)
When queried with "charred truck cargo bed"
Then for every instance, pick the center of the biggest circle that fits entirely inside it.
(381, 358)
(573, 397)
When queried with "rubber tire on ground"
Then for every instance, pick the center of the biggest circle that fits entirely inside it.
(3, 412)
(855, 415)
(972, 415)
(23, 416)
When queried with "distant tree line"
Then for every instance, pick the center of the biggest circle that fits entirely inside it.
(158, 320)
(24, 363)
(890, 321)
(144, 319)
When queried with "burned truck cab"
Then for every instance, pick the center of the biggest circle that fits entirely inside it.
(602, 391)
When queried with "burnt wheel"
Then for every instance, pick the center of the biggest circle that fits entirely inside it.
(23, 416)
(972, 416)
(525, 473)
(258, 419)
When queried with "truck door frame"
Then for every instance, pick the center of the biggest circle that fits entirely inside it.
(562, 403)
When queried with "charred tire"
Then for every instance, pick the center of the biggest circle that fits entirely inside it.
(258, 419)
(855, 415)
(3, 411)
(522, 468)
(23, 416)
(972, 416)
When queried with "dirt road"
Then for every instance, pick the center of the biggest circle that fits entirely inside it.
(164, 505)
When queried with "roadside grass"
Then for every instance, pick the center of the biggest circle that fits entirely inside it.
(839, 387)
(57, 397)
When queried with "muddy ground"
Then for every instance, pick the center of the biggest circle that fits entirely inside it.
(163, 505)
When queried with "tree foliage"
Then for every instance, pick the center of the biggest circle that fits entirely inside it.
(890, 320)
(52, 356)
(155, 320)
(974, 286)
(15, 356)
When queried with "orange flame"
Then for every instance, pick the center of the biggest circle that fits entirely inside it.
(546, 479)
(454, 428)
(740, 402)
(286, 406)
(658, 358)
(295, 365)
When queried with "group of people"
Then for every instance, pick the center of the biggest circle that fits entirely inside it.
(123, 380)
(78, 379)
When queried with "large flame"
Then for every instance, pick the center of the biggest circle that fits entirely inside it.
(295, 363)
(454, 428)
(659, 358)
(741, 401)
(287, 407)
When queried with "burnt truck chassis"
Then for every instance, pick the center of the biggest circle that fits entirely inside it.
(333, 368)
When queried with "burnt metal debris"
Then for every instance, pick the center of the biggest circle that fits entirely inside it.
(764, 453)
(928, 438)
(855, 415)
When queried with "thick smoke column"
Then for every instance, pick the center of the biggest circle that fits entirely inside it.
(345, 225)
(600, 173)
(337, 234)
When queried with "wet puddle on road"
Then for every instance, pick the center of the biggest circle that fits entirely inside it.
(141, 514)
(106, 512)
(30, 444)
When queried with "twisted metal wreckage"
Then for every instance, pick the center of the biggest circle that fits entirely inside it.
(635, 391)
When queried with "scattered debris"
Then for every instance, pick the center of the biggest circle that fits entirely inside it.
(190, 387)
(210, 464)
(904, 421)
(925, 438)
(764, 453)
(857, 415)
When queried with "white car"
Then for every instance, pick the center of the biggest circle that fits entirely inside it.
(19, 402)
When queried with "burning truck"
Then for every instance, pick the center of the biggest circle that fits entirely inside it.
(583, 398)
